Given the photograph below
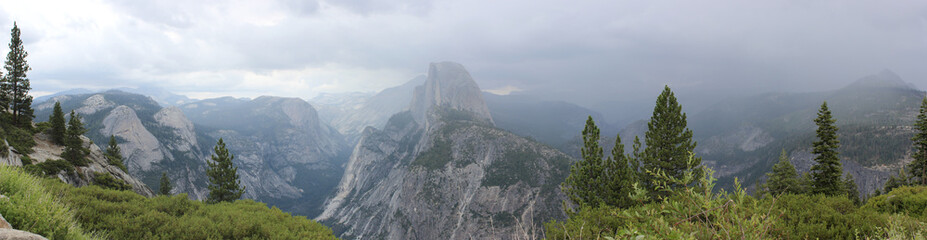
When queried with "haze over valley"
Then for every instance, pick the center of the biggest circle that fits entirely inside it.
(438, 119)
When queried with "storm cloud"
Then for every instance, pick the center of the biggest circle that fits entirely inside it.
(586, 52)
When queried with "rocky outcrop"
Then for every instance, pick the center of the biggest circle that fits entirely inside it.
(448, 86)
(456, 178)
(83, 175)
(139, 146)
(173, 118)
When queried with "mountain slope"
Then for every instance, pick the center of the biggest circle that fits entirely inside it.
(445, 158)
(742, 137)
(286, 155)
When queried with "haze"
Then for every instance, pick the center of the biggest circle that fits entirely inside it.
(594, 53)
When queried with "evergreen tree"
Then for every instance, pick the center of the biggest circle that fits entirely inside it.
(620, 177)
(668, 143)
(919, 165)
(783, 178)
(852, 190)
(15, 85)
(826, 173)
(896, 181)
(58, 126)
(165, 188)
(74, 150)
(224, 185)
(113, 154)
(583, 184)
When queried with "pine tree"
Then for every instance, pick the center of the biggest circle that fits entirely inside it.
(165, 188)
(620, 177)
(783, 178)
(58, 126)
(224, 185)
(15, 85)
(919, 165)
(852, 190)
(583, 183)
(826, 173)
(113, 154)
(74, 150)
(668, 143)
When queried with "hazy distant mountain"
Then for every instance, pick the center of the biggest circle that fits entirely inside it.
(287, 156)
(445, 158)
(160, 95)
(68, 92)
(742, 137)
(551, 122)
(351, 113)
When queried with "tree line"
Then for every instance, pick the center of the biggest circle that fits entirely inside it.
(666, 162)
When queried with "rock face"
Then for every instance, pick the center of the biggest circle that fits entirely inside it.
(46, 150)
(457, 177)
(286, 155)
(448, 87)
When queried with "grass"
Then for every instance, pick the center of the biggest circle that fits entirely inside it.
(30, 207)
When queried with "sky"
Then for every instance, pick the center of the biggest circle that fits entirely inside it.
(589, 52)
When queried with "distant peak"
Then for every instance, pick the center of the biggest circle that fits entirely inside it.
(884, 79)
(449, 86)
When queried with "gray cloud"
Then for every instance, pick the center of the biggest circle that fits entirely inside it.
(582, 51)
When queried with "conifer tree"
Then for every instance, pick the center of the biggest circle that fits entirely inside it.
(224, 185)
(827, 172)
(58, 126)
(620, 177)
(165, 188)
(783, 178)
(15, 85)
(113, 154)
(74, 150)
(668, 142)
(852, 190)
(583, 184)
(919, 165)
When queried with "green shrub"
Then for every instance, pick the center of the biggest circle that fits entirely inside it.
(911, 201)
(20, 139)
(30, 207)
(41, 127)
(25, 159)
(825, 217)
(126, 215)
(106, 180)
(50, 168)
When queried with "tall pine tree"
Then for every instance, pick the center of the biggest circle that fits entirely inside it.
(114, 155)
(58, 126)
(620, 177)
(919, 165)
(15, 85)
(583, 186)
(826, 174)
(668, 143)
(224, 185)
(165, 187)
(74, 150)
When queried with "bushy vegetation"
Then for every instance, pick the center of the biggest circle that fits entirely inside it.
(29, 206)
(514, 166)
(50, 168)
(697, 212)
(435, 157)
(911, 201)
(51, 208)
(106, 180)
(126, 215)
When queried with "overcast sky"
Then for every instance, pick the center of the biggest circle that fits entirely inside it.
(582, 51)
